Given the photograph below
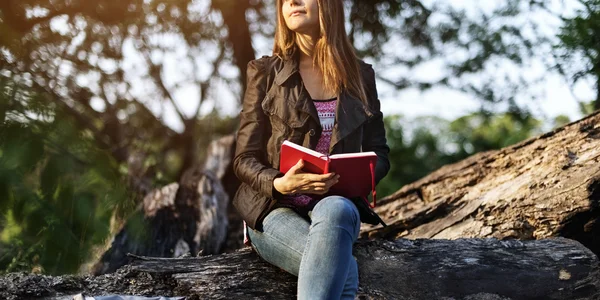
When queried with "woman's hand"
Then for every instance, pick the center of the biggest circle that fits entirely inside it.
(297, 181)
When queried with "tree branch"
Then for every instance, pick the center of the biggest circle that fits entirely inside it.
(156, 75)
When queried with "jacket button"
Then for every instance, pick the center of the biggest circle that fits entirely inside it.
(311, 132)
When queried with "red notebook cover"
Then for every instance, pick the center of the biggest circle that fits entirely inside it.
(356, 170)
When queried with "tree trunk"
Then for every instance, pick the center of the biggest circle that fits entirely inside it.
(234, 16)
(181, 218)
(402, 269)
(544, 187)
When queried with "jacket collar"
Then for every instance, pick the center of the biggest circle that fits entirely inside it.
(350, 112)
(290, 67)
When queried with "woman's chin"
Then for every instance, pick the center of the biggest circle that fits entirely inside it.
(302, 27)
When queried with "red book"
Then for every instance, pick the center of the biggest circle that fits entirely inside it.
(356, 170)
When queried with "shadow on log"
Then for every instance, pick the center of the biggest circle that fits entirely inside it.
(402, 269)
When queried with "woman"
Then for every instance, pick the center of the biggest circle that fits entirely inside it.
(313, 91)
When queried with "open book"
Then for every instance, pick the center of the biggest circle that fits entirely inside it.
(356, 170)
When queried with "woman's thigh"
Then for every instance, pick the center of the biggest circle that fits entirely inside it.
(283, 239)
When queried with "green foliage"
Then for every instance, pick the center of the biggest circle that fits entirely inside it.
(578, 54)
(57, 189)
(589, 107)
(425, 144)
(585, 108)
(469, 52)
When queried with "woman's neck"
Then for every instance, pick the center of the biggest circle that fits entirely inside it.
(306, 44)
(305, 61)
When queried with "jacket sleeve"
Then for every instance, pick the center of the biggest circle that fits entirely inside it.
(374, 132)
(249, 163)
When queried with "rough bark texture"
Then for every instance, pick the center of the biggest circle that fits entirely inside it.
(402, 269)
(543, 187)
(181, 218)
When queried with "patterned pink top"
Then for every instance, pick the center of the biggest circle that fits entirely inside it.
(326, 111)
(305, 202)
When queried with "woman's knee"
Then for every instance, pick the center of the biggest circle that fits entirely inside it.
(336, 209)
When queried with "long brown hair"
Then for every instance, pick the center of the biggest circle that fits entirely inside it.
(333, 53)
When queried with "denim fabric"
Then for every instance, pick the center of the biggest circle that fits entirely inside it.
(317, 249)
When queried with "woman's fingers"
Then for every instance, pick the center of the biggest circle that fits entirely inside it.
(318, 191)
(310, 183)
(297, 168)
(330, 182)
(319, 184)
(320, 187)
(318, 177)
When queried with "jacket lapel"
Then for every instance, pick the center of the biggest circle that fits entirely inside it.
(350, 113)
(290, 67)
(299, 99)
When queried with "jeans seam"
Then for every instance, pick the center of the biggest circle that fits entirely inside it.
(256, 249)
(305, 249)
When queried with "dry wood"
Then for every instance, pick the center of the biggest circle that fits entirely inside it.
(543, 187)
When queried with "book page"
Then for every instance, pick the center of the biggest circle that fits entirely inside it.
(305, 150)
(357, 154)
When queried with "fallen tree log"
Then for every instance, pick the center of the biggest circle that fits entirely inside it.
(543, 187)
(401, 269)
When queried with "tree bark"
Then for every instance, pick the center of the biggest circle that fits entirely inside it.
(401, 269)
(543, 187)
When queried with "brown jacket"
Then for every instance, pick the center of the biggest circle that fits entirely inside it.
(277, 107)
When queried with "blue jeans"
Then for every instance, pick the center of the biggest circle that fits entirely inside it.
(318, 251)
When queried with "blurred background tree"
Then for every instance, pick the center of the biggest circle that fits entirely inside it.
(102, 101)
(58, 189)
(580, 44)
